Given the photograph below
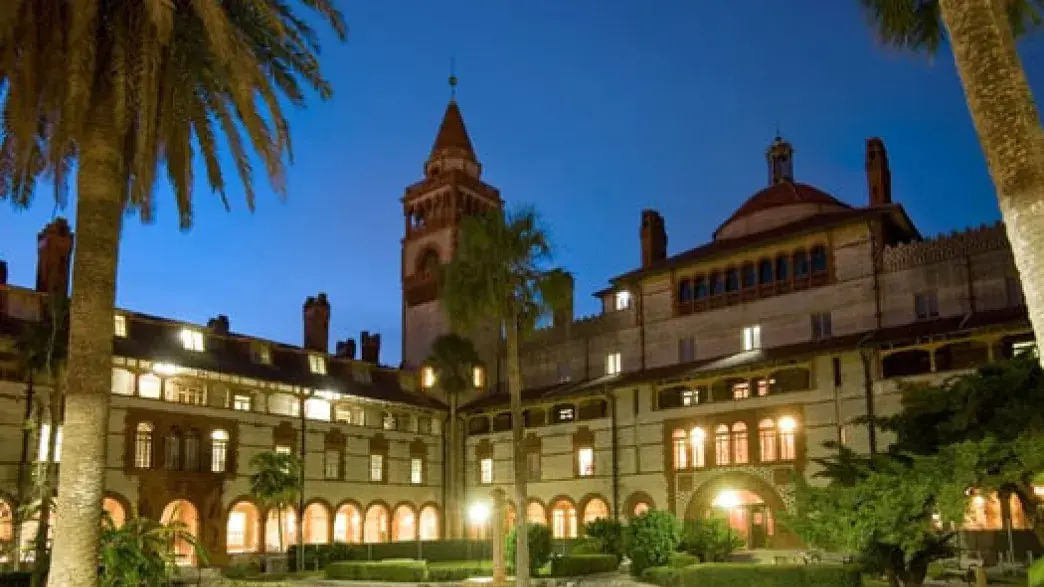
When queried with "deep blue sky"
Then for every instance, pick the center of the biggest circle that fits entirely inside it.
(590, 109)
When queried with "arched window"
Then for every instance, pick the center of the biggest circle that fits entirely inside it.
(172, 451)
(732, 279)
(698, 443)
(739, 443)
(685, 291)
(800, 265)
(192, 450)
(717, 284)
(782, 269)
(787, 440)
(721, 445)
(765, 272)
(596, 509)
(819, 260)
(681, 460)
(143, 446)
(701, 288)
(218, 451)
(563, 520)
(750, 276)
(767, 440)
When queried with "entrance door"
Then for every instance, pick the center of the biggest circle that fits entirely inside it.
(758, 526)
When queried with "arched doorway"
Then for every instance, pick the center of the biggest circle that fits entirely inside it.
(563, 519)
(348, 526)
(182, 513)
(595, 509)
(429, 523)
(375, 526)
(315, 523)
(243, 533)
(272, 529)
(535, 513)
(404, 524)
(115, 511)
(749, 505)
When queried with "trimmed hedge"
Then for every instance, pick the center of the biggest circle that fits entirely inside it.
(755, 575)
(387, 570)
(680, 560)
(574, 565)
(663, 576)
(459, 571)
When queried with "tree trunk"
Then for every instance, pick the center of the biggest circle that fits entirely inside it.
(1008, 124)
(47, 485)
(74, 560)
(519, 461)
(453, 505)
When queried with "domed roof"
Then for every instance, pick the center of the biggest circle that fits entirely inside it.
(784, 193)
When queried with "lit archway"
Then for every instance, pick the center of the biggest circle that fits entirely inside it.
(115, 510)
(595, 509)
(749, 504)
(348, 526)
(289, 517)
(535, 513)
(563, 519)
(315, 523)
(243, 532)
(6, 527)
(429, 523)
(375, 525)
(181, 512)
(404, 524)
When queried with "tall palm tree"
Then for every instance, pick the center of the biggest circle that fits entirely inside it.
(115, 89)
(276, 483)
(982, 37)
(499, 275)
(453, 360)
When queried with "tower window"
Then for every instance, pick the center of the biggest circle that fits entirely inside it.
(623, 300)
(427, 377)
(585, 461)
(613, 364)
(317, 364)
(486, 470)
(752, 338)
(120, 325)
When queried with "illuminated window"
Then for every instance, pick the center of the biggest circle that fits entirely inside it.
(698, 444)
(722, 450)
(122, 382)
(143, 446)
(219, 451)
(186, 392)
(787, 442)
(149, 386)
(427, 377)
(752, 338)
(613, 364)
(623, 300)
(565, 414)
(317, 409)
(282, 449)
(740, 390)
(261, 353)
(317, 364)
(44, 453)
(376, 467)
(478, 377)
(344, 413)
(762, 386)
(767, 440)
(120, 324)
(585, 462)
(241, 402)
(332, 464)
(681, 455)
(486, 470)
(690, 397)
(388, 421)
(416, 471)
(192, 339)
(739, 443)
(563, 520)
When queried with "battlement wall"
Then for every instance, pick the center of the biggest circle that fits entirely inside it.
(943, 247)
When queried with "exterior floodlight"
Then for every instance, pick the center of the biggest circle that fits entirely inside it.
(478, 513)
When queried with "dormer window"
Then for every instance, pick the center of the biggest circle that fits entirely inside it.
(261, 353)
(478, 377)
(317, 364)
(427, 377)
(120, 325)
(192, 340)
(623, 300)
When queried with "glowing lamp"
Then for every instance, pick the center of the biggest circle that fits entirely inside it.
(165, 369)
(787, 424)
(478, 513)
(727, 499)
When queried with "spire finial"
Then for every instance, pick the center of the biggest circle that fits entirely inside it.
(778, 136)
(453, 78)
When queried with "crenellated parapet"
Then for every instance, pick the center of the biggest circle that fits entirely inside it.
(957, 244)
(583, 327)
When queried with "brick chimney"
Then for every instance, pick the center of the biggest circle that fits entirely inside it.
(654, 238)
(3, 272)
(54, 252)
(346, 349)
(564, 315)
(878, 175)
(219, 325)
(317, 324)
(371, 347)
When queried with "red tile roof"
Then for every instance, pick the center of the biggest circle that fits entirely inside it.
(784, 193)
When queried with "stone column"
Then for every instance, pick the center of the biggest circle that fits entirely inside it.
(497, 522)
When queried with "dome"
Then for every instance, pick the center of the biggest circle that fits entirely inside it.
(778, 204)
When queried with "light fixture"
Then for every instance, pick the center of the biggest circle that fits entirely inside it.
(787, 424)
(727, 499)
(478, 513)
(165, 369)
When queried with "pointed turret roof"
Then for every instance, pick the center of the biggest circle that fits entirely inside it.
(453, 136)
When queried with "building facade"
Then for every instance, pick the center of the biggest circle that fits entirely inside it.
(711, 377)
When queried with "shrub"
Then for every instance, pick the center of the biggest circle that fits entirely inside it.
(609, 535)
(1036, 573)
(663, 576)
(16, 579)
(755, 575)
(654, 536)
(710, 539)
(386, 570)
(458, 571)
(936, 570)
(241, 570)
(320, 555)
(539, 546)
(574, 565)
(680, 560)
(586, 546)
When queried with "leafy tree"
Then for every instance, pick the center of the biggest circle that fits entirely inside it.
(539, 541)
(109, 91)
(140, 553)
(453, 359)
(654, 536)
(982, 34)
(276, 483)
(710, 539)
(609, 534)
(499, 275)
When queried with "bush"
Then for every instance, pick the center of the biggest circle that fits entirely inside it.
(321, 555)
(680, 560)
(586, 546)
(388, 570)
(936, 570)
(609, 534)
(710, 539)
(755, 575)
(539, 546)
(458, 571)
(574, 565)
(654, 536)
(663, 576)
(16, 579)
(241, 570)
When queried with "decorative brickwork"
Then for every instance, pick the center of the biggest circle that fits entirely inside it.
(946, 246)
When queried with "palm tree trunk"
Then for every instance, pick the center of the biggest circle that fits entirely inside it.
(47, 485)
(74, 560)
(519, 462)
(1008, 125)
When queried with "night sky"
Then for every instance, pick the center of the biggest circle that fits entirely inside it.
(589, 109)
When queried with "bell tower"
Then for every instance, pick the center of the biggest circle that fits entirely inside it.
(433, 208)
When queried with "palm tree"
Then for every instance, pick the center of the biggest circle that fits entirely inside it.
(453, 360)
(982, 36)
(498, 275)
(276, 483)
(141, 553)
(116, 89)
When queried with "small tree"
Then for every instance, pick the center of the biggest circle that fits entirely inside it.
(539, 546)
(276, 483)
(654, 536)
(710, 539)
(140, 553)
(608, 534)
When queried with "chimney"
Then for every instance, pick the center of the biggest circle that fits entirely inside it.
(219, 325)
(317, 324)
(3, 272)
(878, 175)
(346, 349)
(371, 347)
(654, 238)
(564, 315)
(54, 252)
